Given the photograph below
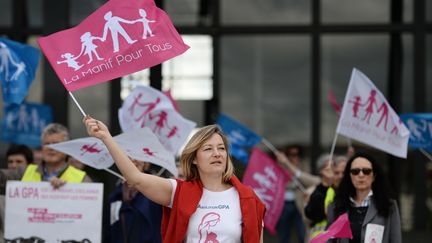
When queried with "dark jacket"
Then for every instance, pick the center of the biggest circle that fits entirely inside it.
(391, 223)
(139, 221)
(314, 210)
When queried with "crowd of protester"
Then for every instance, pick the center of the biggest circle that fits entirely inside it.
(147, 207)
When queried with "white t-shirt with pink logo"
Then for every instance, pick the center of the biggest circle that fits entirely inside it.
(217, 218)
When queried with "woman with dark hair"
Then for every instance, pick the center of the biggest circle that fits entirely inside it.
(363, 194)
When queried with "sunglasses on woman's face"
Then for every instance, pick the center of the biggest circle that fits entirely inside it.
(365, 171)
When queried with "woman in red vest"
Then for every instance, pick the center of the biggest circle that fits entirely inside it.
(211, 205)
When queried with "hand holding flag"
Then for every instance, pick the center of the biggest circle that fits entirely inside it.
(119, 38)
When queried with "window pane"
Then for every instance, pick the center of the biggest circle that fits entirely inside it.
(186, 12)
(408, 10)
(407, 78)
(264, 12)
(266, 85)
(80, 9)
(34, 11)
(189, 76)
(6, 13)
(429, 11)
(129, 82)
(340, 54)
(354, 11)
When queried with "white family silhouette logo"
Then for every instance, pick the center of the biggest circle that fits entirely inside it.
(419, 130)
(267, 181)
(113, 25)
(6, 58)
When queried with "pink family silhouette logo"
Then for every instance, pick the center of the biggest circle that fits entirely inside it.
(148, 152)
(148, 114)
(86, 148)
(371, 110)
(113, 26)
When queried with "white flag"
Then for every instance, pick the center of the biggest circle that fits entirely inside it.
(139, 144)
(90, 151)
(143, 145)
(367, 117)
(148, 107)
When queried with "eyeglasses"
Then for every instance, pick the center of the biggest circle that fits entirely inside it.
(365, 171)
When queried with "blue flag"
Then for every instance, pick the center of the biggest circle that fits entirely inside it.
(420, 126)
(23, 124)
(18, 63)
(242, 140)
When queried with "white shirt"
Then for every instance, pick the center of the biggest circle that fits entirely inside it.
(365, 201)
(217, 218)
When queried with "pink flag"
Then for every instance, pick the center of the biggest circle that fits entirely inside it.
(268, 180)
(334, 103)
(174, 103)
(367, 117)
(339, 229)
(148, 107)
(119, 38)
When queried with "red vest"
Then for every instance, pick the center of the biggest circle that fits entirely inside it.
(187, 196)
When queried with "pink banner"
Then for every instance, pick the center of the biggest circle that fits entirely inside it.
(339, 229)
(119, 38)
(268, 180)
(333, 102)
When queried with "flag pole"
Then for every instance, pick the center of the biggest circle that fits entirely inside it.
(333, 148)
(269, 145)
(162, 169)
(77, 104)
(274, 150)
(426, 154)
(115, 173)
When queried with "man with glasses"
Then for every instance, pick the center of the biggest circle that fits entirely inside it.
(54, 167)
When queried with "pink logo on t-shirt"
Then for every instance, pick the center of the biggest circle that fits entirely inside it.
(209, 220)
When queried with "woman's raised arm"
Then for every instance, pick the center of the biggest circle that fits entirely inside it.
(155, 188)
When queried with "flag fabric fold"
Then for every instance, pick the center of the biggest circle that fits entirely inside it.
(338, 229)
(368, 117)
(18, 64)
(268, 180)
(148, 107)
(119, 38)
(420, 127)
(139, 144)
(241, 138)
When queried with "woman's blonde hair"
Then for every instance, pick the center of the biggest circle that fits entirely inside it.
(196, 142)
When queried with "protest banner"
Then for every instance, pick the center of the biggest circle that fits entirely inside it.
(36, 212)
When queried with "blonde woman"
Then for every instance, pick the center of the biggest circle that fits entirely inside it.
(210, 188)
